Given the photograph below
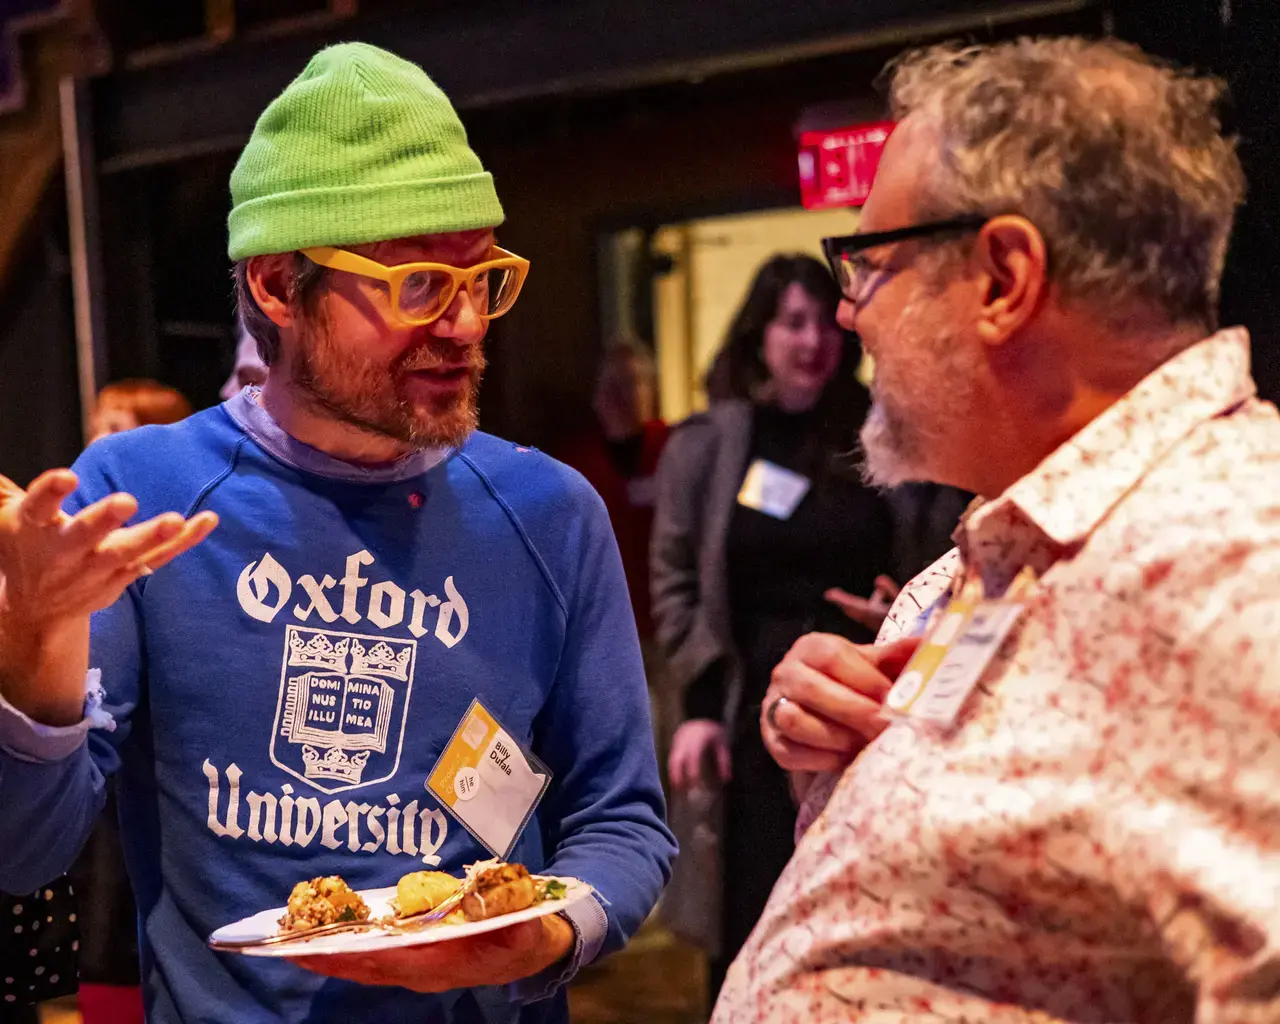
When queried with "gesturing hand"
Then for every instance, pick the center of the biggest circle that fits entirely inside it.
(700, 746)
(833, 690)
(56, 567)
(867, 611)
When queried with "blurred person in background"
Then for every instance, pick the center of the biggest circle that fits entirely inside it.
(1065, 809)
(110, 980)
(248, 369)
(84, 924)
(38, 948)
(136, 403)
(925, 516)
(761, 511)
(618, 453)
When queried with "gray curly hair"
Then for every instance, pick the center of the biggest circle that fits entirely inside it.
(1117, 158)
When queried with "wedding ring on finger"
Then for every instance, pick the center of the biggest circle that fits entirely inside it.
(771, 715)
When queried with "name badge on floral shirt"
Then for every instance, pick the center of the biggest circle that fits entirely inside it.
(945, 669)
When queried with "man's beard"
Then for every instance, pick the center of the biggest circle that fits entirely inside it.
(375, 398)
(889, 452)
(913, 412)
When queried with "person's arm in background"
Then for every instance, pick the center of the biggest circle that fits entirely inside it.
(684, 473)
(673, 548)
(868, 612)
(59, 568)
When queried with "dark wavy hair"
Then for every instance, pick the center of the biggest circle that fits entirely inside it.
(739, 370)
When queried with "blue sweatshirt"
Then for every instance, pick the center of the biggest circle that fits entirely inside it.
(488, 572)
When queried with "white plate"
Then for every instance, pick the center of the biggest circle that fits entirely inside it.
(267, 923)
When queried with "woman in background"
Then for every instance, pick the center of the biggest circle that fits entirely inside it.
(761, 512)
(618, 454)
(136, 403)
(618, 451)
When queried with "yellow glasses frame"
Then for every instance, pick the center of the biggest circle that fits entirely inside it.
(394, 277)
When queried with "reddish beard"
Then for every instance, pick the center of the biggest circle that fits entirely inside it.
(354, 389)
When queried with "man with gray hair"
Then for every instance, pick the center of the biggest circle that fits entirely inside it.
(1049, 793)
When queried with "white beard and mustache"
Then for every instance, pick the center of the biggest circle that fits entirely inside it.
(926, 392)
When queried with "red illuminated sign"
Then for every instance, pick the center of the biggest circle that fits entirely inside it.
(837, 167)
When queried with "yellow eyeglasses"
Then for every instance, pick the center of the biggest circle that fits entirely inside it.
(421, 292)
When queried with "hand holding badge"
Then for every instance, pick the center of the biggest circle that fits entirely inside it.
(946, 668)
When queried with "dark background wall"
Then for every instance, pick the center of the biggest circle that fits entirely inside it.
(568, 166)
(578, 145)
(1240, 41)
(39, 404)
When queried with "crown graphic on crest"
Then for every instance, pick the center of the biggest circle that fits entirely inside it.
(381, 660)
(334, 764)
(319, 652)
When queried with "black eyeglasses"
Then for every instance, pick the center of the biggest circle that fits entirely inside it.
(849, 269)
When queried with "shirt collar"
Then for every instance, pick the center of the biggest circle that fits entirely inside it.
(255, 421)
(1074, 489)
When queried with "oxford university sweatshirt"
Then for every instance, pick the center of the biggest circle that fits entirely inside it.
(489, 572)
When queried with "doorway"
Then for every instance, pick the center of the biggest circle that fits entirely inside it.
(681, 283)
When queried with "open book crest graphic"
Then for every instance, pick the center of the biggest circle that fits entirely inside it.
(342, 708)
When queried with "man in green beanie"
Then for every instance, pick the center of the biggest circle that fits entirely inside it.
(408, 645)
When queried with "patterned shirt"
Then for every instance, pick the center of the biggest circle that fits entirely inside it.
(1097, 836)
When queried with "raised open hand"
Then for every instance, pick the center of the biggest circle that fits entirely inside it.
(56, 570)
(57, 567)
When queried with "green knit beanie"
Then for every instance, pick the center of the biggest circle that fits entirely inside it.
(361, 147)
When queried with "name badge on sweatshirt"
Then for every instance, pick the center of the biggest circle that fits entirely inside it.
(772, 489)
(488, 781)
(948, 665)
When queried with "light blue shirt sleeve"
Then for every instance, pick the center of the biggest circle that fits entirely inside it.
(590, 925)
(31, 741)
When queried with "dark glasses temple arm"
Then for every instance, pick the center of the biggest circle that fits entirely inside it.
(853, 243)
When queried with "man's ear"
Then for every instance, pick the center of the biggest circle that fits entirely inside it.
(270, 278)
(1013, 261)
